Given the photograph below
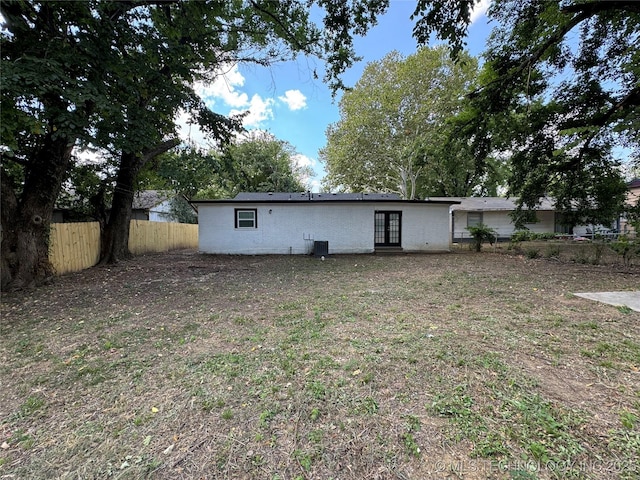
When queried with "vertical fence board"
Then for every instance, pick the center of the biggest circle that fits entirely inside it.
(148, 236)
(76, 246)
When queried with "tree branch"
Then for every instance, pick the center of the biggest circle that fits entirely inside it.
(159, 149)
(558, 35)
(115, 10)
(632, 98)
(278, 21)
(602, 6)
(551, 40)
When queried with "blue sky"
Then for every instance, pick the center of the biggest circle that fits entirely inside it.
(287, 102)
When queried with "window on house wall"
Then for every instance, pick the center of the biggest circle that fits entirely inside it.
(246, 218)
(474, 219)
(561, 225)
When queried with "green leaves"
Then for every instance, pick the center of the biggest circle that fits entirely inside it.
(482, 233)
(396, 124)
(558, 97)
(575, 119)
(447, 20)
(342, 21)
(260, 163)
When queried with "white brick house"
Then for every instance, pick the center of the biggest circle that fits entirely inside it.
(292, 223)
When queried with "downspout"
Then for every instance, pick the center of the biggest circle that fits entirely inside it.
(453, 226)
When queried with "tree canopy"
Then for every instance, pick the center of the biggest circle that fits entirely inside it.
(395, 131)
(559, 95)
(258, 162)
(573, 75)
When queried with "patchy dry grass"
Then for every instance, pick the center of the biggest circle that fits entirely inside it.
(182, 365)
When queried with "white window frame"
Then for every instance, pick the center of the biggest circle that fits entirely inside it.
(240, 223)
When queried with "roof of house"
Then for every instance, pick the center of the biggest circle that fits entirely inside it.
(312, 197)
(491, 204)
(309, 197)
(147, 199)
(635, 183)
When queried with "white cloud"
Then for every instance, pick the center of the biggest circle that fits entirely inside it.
(294, 99)
(479, 10)
(223, 87)
(191, 133)
(260, 110)
(89, 156)
(315, 185)
(225, 91)
(303, 161)
(224, 94)
(304, 167)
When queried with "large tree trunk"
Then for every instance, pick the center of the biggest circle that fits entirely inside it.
(26, 221)
(8, 211)
(115, 236)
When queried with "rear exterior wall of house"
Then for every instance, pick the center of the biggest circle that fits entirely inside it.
(283, 228)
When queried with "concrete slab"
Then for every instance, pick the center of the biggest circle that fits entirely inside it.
(619, 299)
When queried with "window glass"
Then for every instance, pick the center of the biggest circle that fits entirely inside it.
(474, 218)
(246, 218)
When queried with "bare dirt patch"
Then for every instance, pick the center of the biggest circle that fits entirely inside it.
(184, 365)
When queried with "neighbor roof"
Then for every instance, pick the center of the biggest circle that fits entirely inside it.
(491, 204)
(308, 197)
(147, 199)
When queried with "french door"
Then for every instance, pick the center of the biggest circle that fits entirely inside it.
(388, 226)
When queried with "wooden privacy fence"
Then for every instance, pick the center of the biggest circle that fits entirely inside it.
(147, 236)
(76, 246)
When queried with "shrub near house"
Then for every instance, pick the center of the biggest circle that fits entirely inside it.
(482, 233)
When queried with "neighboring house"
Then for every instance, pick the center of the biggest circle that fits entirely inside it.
(495, 212)
(633, 198)
(298, 223)
(633, 191)
(152, 205)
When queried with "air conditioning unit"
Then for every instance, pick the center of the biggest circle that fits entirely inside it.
(320, 248)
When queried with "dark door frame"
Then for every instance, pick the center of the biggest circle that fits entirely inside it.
(386, 233)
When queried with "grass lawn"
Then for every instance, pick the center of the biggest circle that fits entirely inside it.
(461, 366)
